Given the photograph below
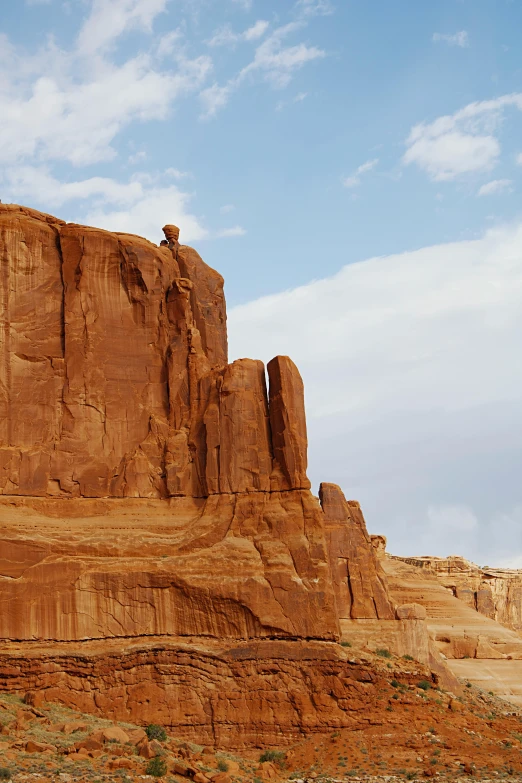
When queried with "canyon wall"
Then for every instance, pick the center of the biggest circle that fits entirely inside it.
(494, 592)
(152, 494)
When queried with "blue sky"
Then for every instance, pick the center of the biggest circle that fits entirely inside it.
(293, 142)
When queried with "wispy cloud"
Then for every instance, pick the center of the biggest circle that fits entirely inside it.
(109, 19)
(460, 143)
(309, 8)
(214, 98)
(274, 61)
(355, 179)
(225, 36)
(456, 39)
(494, 187)
(235, 231)
(299, 98)
(227, 208)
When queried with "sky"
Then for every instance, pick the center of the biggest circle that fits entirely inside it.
(353, 168)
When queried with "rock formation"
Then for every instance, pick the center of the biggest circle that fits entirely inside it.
(494, 592)
(154, 499)
(465, 629)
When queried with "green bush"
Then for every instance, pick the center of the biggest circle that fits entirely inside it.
(5, 774)
(222, 765)
(276, 756)
(384, 653)
(395, 684)
(408, 658)
(346, 644)
(153, 731)
(157, 767)
(424, 685)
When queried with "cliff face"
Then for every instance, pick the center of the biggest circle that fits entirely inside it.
(153, 493)
(494, 592)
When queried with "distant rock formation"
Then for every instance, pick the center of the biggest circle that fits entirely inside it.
(494, 592)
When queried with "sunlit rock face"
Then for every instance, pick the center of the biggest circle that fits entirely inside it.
(154, 493)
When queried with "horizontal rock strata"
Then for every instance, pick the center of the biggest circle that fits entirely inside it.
(162, 558)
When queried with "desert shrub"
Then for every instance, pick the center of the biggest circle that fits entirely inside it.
(383, 652)
(408, 658)
(424, 685)
(346, 644)
(153, 731)
(468, 685)
(157, 767)
(411, 775)
(276, 756)
(5, 774)
(395, 684)
(222, 765)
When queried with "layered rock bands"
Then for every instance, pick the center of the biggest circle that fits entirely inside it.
(150, 490)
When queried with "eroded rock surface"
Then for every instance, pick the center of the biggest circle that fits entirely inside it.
(150, 490)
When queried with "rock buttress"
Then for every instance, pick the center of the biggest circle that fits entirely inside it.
(359, 580)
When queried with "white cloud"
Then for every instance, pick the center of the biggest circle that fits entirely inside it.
(225, 36)
(314, 7)
(299, 98)
(137, 157)
(140, 206)
(227, 208)
(71, 105)
(413, 388)
(256, 31)
(157, 206)
(246, 5)
(235, 231)
(519, 159)
(457, 39)
(109, 19)
(168, 43)
(495, 186)
(278, 62)
(355, 178)
(461, 143)
(275, 62)
(214, 98)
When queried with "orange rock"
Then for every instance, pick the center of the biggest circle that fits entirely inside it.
(267, 770)
(221, 777)
(72, 726)
(38, 747)
(115, 734)
(35, 698)
(155, 493)
(288, 424)
(360, 584)
(136, 735)
(411, 612)
(120, 763)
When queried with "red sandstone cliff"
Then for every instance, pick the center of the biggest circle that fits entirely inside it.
(156, 494)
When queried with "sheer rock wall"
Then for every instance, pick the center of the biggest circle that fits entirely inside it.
(154, 493)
